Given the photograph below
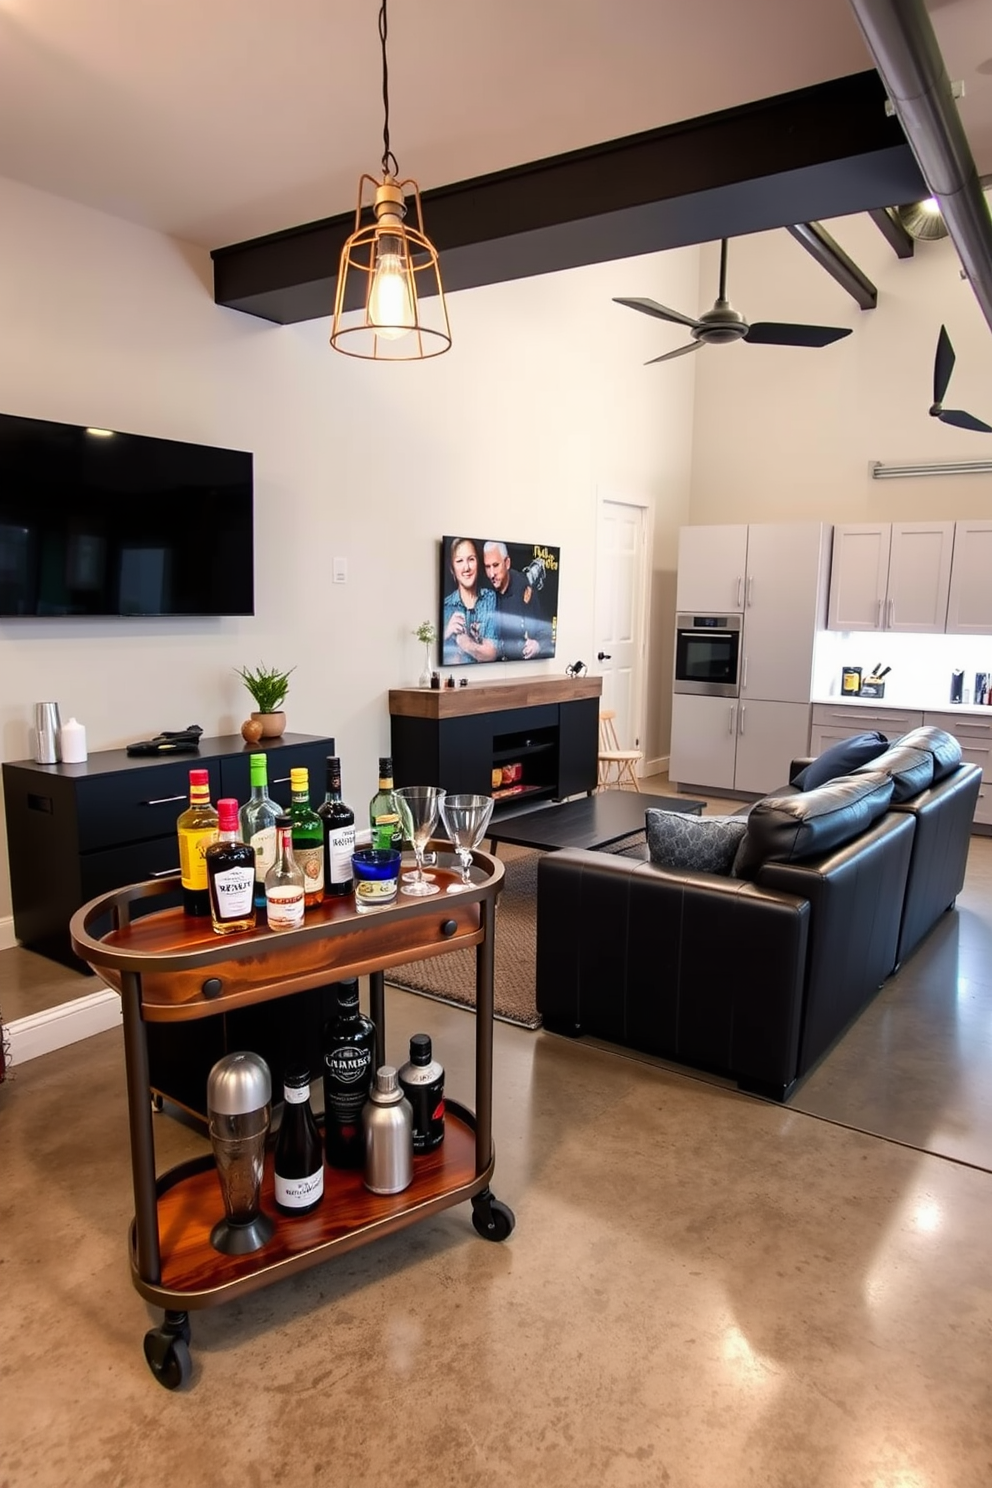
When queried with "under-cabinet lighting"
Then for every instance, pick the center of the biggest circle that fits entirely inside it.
(936, 467)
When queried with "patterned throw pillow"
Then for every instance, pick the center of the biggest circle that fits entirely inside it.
(705, 844)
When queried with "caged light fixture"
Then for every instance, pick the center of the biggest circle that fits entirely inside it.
(389, 272)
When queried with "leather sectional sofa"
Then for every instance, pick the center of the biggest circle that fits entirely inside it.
(755, 976)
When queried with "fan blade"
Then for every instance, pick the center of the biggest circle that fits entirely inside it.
(943, 366)
(651, 307)
(776, 333)
(693, 346)
(962, 420)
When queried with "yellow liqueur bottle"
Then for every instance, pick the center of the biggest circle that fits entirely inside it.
(197, 829)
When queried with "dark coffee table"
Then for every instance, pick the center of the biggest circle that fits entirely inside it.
(592, 821)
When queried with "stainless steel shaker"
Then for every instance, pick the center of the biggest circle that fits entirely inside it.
(239, 1109)
(388, 1121)
(47, 725)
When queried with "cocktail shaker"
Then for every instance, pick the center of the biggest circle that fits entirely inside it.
(388, 1121)
(239, 1108)
(47, 725)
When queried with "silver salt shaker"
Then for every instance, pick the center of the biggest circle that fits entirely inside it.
(388, 1121)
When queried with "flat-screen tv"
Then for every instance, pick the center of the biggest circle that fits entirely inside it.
(499, 600)
(94, 522)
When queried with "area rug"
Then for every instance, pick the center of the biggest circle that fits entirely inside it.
(451, 978)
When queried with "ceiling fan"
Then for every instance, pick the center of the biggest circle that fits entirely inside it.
(724, 323)
(943, 366)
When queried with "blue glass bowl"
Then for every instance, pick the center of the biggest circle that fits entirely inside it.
(377, 872)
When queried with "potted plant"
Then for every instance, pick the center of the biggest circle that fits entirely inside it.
(425, 632)
(268, 687)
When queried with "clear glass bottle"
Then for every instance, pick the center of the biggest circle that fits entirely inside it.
(308, 836)
(349, 1052)
(339, 834)
(197, 828)
(299, 1156)
(258, 824)
(284, 895)
(230, 874)
(384, 819)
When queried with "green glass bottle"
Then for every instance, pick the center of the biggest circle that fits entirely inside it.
(258, 824)
(308, 836)
(384, 819)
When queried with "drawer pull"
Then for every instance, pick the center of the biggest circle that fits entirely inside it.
(40, 803)
(448, 927)
(164, 800)
(212, 987)
(281, 780)
(165, 873)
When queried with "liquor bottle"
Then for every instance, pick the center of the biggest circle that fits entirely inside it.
(308, 835)
(230, 874)
(258, 824)
(197, 828)
(339, 834)
(284, 881)
(384, 819)
(349, 1050)
(299, 1158)
(422, 1082)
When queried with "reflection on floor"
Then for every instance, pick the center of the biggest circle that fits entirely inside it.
(702, 1287)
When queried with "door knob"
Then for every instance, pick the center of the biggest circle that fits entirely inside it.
(603, 656)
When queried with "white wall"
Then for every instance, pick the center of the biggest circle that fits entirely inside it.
(542, 402)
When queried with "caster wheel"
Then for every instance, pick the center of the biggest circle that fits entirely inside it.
(168, 1358)
(493, 1220)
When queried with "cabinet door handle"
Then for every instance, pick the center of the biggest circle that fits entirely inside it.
(743, 711)
(281, 780)
(740, 591)
(730, 721)
(750, 591)
(892, 613)
(744, 674)
(165, 873)
(164, 800)
(878, 615)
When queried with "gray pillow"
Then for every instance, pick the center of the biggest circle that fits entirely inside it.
(705, 844)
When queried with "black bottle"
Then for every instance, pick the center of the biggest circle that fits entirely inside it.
(422, 1082)
(299, 1160)
(349, 1057)
(339, 834)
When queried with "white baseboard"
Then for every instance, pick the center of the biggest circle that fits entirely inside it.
(67, 1023)
(657, 766)
(8, 939)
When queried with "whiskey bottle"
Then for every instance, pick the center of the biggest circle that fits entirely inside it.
(349, 1050)
(230, 874)
(339, 834)
(197, 828)
(258, 824)
(384, 819)
(299, 1158)
(284, 881)
(308, 836)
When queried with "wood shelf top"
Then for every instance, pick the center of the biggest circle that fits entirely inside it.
(490, 697)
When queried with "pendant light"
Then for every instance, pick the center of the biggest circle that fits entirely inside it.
(389, 303)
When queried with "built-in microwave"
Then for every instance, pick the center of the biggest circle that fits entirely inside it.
(708, 654)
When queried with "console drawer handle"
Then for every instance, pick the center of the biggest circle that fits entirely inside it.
(164, 800)
(164, 873)
(448, 927)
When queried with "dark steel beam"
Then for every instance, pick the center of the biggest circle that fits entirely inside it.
(831, 256)
(824, 151)
(892, 230)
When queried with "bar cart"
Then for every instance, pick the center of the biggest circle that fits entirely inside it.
(169, 968)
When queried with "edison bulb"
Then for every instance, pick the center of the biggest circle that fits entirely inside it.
(390, 301)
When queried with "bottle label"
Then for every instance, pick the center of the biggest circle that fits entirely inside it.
(296, 1095)
(373, 893)
(299, 1193)
(284, 907)
(340, 846)
(235, 891)
(310, 861)
(264, 843)
(386, 831)
(193, 856)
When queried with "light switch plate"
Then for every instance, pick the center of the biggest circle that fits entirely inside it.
(339, 571)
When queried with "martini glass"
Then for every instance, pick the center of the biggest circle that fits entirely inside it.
(465, 819)
(418, 808)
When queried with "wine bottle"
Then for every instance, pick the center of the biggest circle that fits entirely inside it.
(299, 1159)
(230, 874)
(197, 828)
(384, 819)
(308, 836)
(284, 881)
(422, 1082)
(339, 834)
(349, 1051)
(258, 824)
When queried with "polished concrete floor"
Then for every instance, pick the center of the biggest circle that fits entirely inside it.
(702, 1289)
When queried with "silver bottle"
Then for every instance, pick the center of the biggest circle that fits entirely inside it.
(47, 728)
(388, 1121)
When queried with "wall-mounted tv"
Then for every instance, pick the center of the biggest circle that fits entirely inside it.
(94, 522)
(499, 600)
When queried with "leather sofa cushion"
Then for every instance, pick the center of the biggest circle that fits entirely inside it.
(910, 770)
(703, 844)
(944, 747)
(787, 829)
(840, 759)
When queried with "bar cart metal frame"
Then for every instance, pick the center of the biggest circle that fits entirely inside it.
(169, 968)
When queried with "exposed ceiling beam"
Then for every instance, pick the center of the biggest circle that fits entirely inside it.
(892, 230)
(831, 256)
(824, 151)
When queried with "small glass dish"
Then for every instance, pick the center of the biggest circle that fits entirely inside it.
(377, 873)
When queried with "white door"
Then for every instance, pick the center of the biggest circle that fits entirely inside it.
(782, 610)
(858, 576)
(769, 737)
(919, 576)
(704, 741)
(969, 610)
(621, 589)
(712, 564)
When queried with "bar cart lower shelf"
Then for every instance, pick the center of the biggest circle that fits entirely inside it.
(173, 1263)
